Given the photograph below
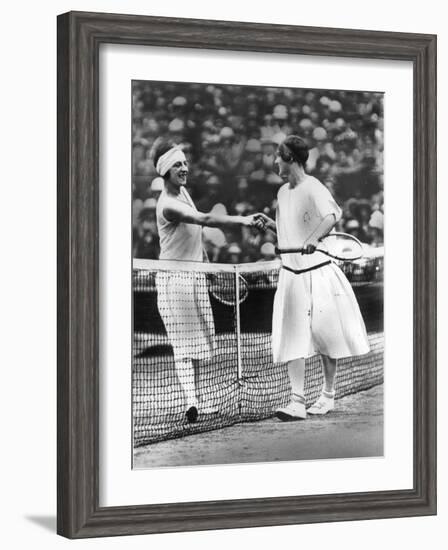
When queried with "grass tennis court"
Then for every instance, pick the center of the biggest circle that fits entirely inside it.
(354, 429)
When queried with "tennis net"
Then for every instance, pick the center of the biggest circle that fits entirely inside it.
(221, 315)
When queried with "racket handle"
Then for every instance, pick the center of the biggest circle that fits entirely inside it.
(288, 250)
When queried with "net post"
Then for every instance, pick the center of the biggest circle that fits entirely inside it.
(238, 327)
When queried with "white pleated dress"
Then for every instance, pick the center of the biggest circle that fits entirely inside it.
(182, 296)
(315, 311)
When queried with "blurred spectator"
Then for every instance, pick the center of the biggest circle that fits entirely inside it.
(234, 254)
(352, 228)
(268, 149)
(376, 225)
(214, 242)
(147, 246)
(267, 252)
(363, 211)
(252, 241)
(137, 207)
(157, 185)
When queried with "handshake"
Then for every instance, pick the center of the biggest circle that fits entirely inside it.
(260, 221)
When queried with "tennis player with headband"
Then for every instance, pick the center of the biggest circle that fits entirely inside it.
(315, 309)
(182, 298)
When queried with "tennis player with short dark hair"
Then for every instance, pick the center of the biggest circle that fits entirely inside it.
(182, 298)
(315, 309)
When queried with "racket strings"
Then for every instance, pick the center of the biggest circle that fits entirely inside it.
(228, 289)
(342, 246)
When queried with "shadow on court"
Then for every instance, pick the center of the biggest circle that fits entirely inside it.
(354, 429)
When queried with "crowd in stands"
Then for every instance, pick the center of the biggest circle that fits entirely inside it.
(230, 135)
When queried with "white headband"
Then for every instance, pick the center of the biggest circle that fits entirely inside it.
(169, 159)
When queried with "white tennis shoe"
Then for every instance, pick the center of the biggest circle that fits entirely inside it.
(294, 411)
(322, 406)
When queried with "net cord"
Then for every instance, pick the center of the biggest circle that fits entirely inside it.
(238, 327)
(202, 267)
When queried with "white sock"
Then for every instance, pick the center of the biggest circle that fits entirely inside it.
(296, 371)
(185, 374)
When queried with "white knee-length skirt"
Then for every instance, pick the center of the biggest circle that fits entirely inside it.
(316, 312)
(184, 306)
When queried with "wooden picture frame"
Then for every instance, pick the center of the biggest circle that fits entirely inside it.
(79, 38)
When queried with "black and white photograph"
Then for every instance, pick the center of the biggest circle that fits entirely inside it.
(257, 230)
(223, 232)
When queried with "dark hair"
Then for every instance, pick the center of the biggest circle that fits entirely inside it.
(294, 149)
(159, 148)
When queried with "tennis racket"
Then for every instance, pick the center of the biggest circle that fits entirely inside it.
(222, 287)
(339, 246)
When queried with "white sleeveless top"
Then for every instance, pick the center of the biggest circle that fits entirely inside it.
(300, 210)
(178, 240)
